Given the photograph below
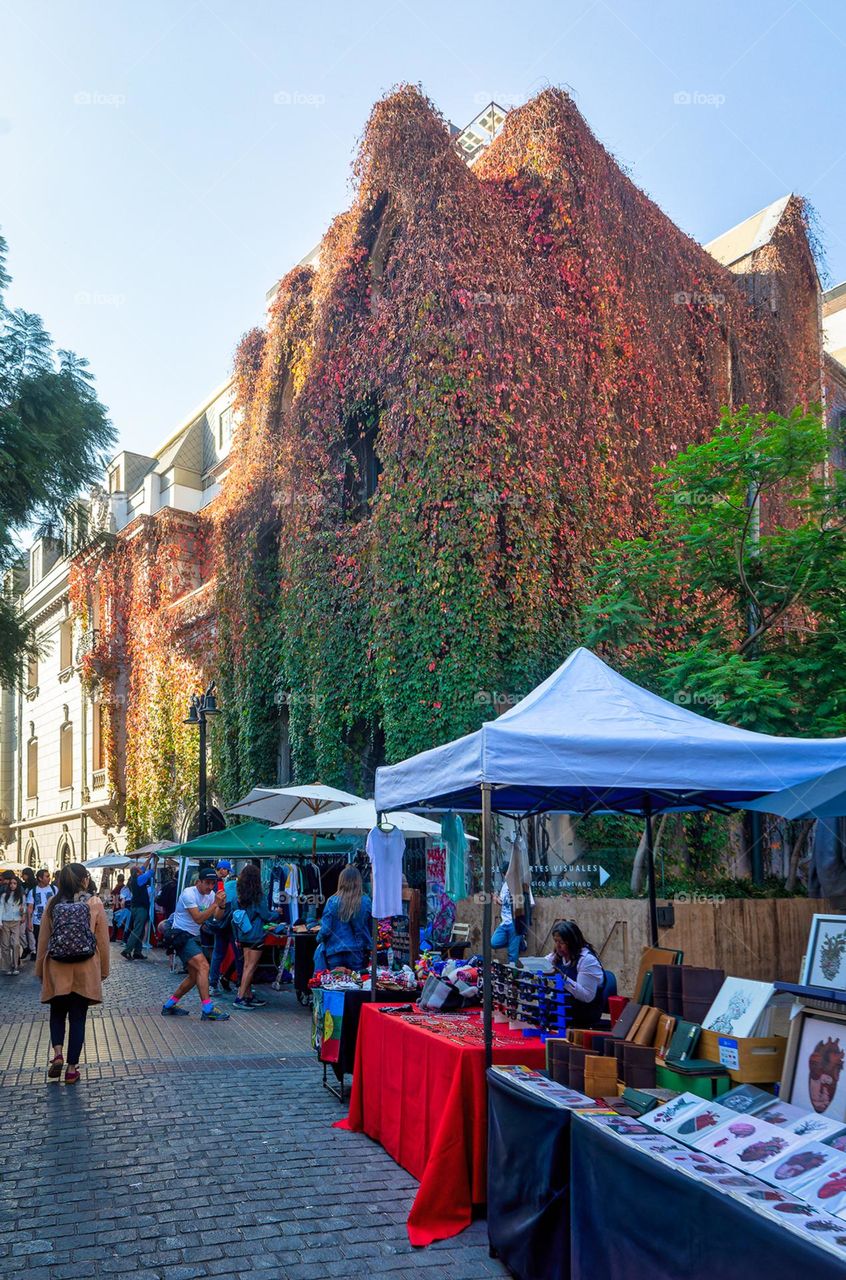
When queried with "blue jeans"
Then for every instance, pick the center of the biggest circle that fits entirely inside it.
(507, 936)
(222, 939)
(140, 928)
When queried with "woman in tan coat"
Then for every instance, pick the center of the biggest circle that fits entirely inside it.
(73, 982)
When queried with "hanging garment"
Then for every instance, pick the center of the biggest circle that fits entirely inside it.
(385, 850)
(518, 875)
(452, 834)
(292, 889)
(276, 893)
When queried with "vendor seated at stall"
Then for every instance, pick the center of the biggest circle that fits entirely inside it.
(584, 976)
(346, 928)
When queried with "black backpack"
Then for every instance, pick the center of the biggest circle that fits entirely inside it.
(71, 936)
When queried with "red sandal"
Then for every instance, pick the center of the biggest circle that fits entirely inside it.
(71, 1075)
(55, 1068)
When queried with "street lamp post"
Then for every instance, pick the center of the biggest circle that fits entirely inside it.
(201, 706)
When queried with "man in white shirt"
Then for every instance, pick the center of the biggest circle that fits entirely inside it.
(194, 907)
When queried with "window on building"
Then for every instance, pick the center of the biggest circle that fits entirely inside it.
(66, 755)
(64, 852)
(32, 765)
(35, 565)
(31, 853)
(66, 645)
(98, 746)
(114, 480)
(224, 428)
(283, 749)
(361, 475)
(32, 671)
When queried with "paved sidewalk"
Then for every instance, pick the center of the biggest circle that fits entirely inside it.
(193, 1149)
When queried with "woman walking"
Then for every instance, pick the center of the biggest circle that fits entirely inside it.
(12, 912)
(72, 960)
(250, 920)
(27, 935)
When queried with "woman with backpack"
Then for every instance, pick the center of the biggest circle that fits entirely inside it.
(12, 911)
(72, 960)
(250, 916)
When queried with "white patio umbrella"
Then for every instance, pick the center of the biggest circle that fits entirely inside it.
(108, 860)
(281, 805)
(361, 818)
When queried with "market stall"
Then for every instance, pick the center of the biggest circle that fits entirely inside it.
(638, 1216)
(585, 741)
(419, 1090)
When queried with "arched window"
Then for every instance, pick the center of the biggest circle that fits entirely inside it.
(64, 852)
(31, 853)
(66, 645)
(31, 764)
(66, 753)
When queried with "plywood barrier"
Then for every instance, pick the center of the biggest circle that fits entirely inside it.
(760, 938)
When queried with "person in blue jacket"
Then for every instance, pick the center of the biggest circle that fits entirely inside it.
(346, 927)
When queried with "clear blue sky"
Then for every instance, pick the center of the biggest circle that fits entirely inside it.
(153, 189)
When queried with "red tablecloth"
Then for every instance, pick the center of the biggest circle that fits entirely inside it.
(423, 1098)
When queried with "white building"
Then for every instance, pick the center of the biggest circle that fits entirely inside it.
(54, 803)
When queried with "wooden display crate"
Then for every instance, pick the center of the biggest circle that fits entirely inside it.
(759, 1059)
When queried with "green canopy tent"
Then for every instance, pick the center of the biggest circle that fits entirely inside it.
(257, 840)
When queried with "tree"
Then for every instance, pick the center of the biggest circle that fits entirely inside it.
(735, 604)
(53, 436)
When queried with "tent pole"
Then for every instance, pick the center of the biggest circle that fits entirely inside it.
(650, 871)
(487, 920)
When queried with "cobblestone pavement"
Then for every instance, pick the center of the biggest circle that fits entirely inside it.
(194, 1149)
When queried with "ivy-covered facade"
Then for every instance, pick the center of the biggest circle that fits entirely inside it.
(439, 425)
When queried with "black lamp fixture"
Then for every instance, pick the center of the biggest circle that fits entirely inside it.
(201, 706)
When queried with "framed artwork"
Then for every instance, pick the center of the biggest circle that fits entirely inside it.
(825, 958)
(738, 1007)
(815, 1065)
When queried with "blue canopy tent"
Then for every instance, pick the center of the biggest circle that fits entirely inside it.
(588, 740)
(820, 797)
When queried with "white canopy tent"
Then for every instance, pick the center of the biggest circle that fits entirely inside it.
(588, 740)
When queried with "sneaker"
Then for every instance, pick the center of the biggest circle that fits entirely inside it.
(215, 991)
(174, 1011)
(247, 1003)
(127, 955)
(14, 972)
(214, 1015)
(257, 1002)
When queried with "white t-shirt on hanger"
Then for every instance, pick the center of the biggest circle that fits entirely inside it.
(385, 850)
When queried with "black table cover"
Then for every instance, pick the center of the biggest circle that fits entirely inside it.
(528, 1182)
(634, 1216)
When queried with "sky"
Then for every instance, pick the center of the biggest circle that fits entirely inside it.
(163, 164)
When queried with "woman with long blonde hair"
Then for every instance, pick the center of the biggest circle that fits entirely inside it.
(345, 930)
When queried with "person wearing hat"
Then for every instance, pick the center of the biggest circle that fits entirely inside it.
(223, 933)
(195, 906)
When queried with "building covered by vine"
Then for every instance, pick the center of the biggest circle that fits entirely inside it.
(445, 415)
